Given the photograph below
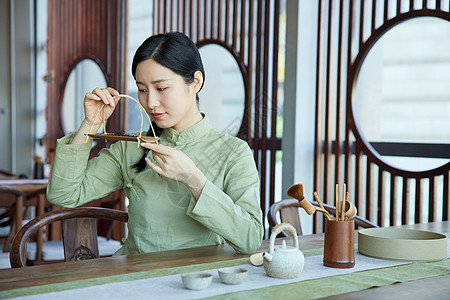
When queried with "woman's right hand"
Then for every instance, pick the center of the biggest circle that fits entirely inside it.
(93, 103)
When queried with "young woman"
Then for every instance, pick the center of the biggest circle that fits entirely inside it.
(197, 187)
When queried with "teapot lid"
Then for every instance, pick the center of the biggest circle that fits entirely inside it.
(285, 248)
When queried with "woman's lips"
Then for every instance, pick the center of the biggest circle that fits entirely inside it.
(157, 116)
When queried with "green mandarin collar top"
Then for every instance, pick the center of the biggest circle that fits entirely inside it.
(191, 134)
(162, 213)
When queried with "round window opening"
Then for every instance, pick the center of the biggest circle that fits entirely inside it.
(84, 78)
(402, 97)
(222, 98)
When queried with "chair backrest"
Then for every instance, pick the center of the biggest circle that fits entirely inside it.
(79, 232)
(6, 173)
(288, 209)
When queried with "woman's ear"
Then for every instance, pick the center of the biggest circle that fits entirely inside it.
(198, 82)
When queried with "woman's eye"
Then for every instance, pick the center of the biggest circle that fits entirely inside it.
(161, 89)
(142, 91)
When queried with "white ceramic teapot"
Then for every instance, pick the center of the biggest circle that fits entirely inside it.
(283, 261)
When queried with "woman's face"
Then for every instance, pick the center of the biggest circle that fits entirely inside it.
(165, 95)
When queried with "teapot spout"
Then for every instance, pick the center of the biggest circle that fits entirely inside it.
(268, 256)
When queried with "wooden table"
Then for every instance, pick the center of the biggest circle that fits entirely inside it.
(34, 191)
(70, 271)
(34, 194)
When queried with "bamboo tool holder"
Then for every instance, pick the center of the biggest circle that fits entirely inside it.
(339, 234)
(129, 138)
(339, 251)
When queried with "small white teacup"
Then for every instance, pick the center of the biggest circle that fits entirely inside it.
(196, 280)
(232, 275)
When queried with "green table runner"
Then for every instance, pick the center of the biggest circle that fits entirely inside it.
(308, 289)
(340, 284)
(130, 276)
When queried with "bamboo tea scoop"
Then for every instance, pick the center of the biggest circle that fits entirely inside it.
(350, 210)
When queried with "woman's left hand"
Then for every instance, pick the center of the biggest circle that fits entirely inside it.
(176, 165)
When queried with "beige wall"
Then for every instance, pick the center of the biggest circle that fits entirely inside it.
(16, 85)
(5, 84)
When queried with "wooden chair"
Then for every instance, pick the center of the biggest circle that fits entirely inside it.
(11, 199)
(288, 209)
(79, 231)
(16, 202)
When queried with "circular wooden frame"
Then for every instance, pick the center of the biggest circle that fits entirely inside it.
(243, 69)
(353, 73)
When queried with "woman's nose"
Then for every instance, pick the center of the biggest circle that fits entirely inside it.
(152, 101)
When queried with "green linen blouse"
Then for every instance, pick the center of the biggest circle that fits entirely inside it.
(163, 214)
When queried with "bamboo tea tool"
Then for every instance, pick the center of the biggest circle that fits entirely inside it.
(316, 196)
(311, 209)
(345, 210)
(343, 203)
(296, 192)
(140, 138)
(337, 201)
(349, 209)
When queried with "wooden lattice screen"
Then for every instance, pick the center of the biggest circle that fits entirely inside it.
(248, 30)
(77, 30)
(341, 153)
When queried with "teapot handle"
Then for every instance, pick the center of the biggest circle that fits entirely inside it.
(279, 228)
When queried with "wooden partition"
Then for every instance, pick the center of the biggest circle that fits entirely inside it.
(77, 30)
(342, 154)
(248, 30)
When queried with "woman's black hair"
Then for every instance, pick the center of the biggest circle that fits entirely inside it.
(175, 51)
(141, 164)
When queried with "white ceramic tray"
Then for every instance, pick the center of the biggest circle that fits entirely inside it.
(402, 244)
